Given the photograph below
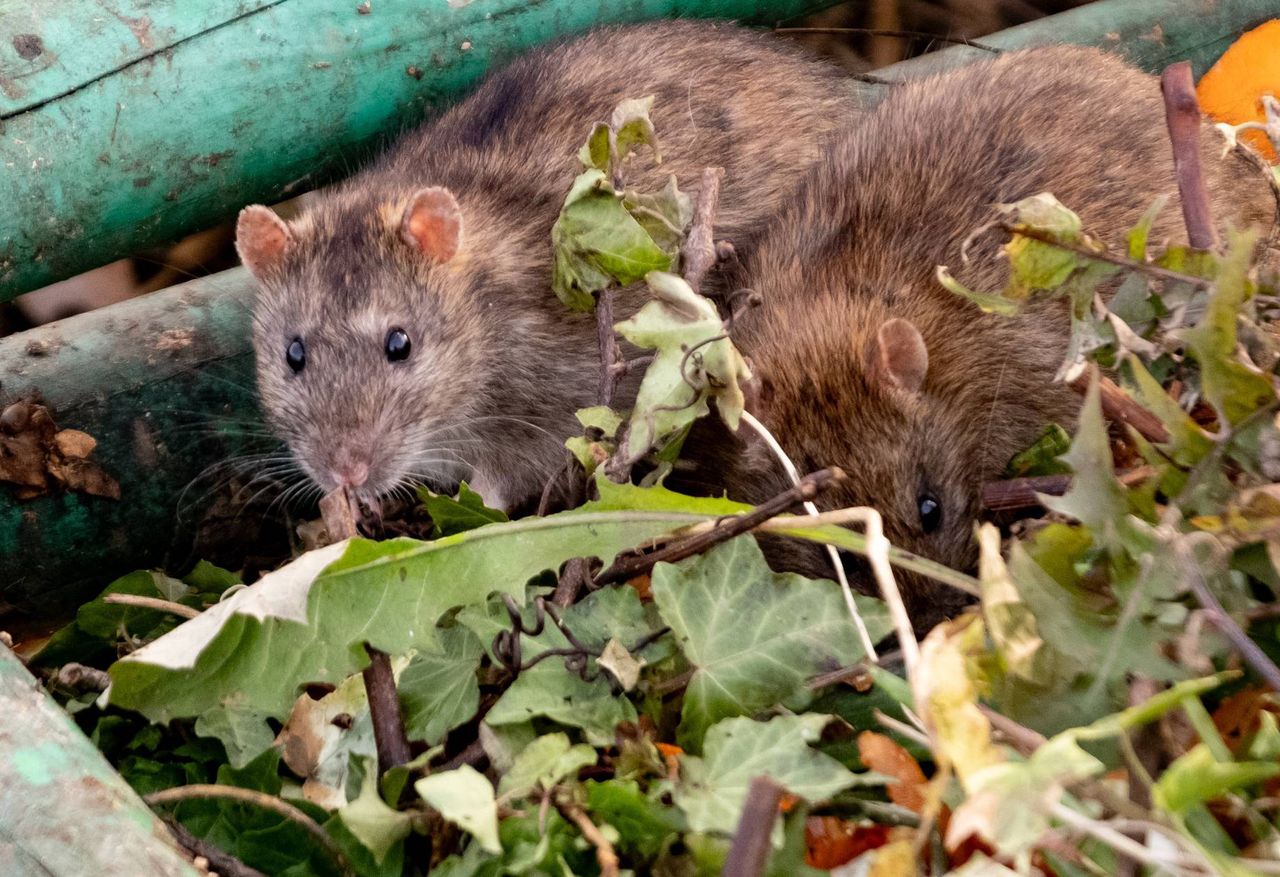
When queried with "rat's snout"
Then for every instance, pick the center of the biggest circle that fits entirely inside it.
(350, 467)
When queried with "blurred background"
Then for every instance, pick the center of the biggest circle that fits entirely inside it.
(860, 36)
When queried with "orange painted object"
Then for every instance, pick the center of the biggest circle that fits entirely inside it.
(1232, 90)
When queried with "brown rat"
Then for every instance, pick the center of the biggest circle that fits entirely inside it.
(867, 363)
(405, 328)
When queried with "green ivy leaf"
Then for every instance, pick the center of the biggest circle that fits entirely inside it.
(377, 826)
(543, 763)
(465, 798)
(438, 689)
(712, 789)
(752, 636)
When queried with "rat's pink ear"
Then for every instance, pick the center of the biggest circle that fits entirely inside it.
(901, 358)
(432, 224)
(262, 239)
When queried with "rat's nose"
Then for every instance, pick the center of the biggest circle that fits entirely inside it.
(350, 469)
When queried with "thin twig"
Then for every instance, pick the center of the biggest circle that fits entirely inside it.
(899, 34)
(608, 341)
(605, 853)
(1121, 843)
(1118, 407)
(1182, 114)
(724, 529)
(137, 601)
(698, 253)
(832, 553)
(749, 852)
(1016, 494)
(1103, 256)
(207, 791)
(389, 736)
(575, 580)
(1255, 657)
(224, 864)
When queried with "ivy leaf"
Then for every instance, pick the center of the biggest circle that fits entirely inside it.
(244, 734)
(543, 763)
(325, 750)
(438, 689)
(379, 827)
(643, 825)
(546, 689)
(712, 789)
(467, 512)
(752, 636)
(694, 362)
(1236, 390)
(464, 797)
(597, 243)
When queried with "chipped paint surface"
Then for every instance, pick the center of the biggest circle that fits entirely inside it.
(64, 810)
(274, 96)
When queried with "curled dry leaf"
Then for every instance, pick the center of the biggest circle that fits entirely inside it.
(37, 457)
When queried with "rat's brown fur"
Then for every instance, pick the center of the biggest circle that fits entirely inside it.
(857, 246)
(499, 365)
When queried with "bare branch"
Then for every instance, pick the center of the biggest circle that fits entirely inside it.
(206, 791)
(1182, 113)
(726, 528)
(698, 254)
(384, 708)
(1118, 407)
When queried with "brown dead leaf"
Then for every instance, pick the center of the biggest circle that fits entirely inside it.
(36, 458)
(831, 841)
(74, 444)
(882, 755)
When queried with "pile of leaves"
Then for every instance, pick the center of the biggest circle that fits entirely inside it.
(1104, 708)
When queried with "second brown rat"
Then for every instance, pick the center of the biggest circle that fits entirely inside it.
(867, 363)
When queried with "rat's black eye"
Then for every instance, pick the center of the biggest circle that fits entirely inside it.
(398, 345)
(930, 513)
(296, 355)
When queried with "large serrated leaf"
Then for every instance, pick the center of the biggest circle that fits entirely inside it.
(307, 622)
(753, 636)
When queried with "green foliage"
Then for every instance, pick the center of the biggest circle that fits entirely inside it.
(751, 636)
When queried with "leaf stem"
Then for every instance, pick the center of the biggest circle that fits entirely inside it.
(208, 791)
(749, 852)
(790, 469)
(140, 602)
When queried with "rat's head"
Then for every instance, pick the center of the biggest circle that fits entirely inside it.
(872, 408)
(367, 350)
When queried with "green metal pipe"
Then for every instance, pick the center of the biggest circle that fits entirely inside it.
(128, 123)
(64, 810)
(164, 411)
